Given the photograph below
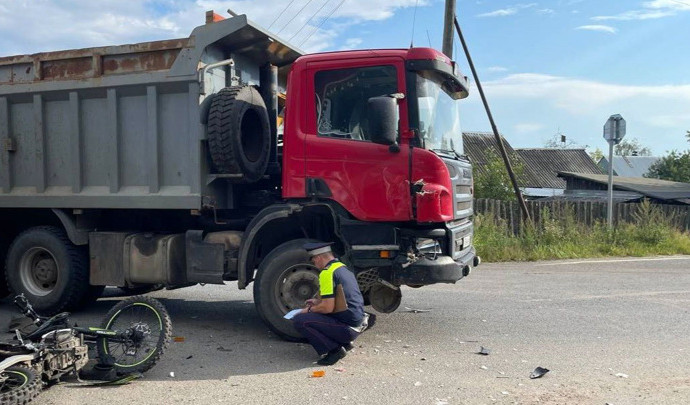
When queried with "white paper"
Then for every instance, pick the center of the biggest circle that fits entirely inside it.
(292, 313)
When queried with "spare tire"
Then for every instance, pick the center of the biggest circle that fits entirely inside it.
(239, 135)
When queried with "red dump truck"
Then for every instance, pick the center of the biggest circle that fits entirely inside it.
(180, 162)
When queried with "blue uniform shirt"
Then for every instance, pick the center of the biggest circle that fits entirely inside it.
(335, 273)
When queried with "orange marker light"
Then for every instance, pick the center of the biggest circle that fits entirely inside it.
(385, 254)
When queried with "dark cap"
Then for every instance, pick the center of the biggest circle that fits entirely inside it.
(317, 248)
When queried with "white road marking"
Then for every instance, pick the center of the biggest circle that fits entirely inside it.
(645, 259)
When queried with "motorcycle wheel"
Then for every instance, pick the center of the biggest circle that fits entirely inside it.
(18, 385)
(151, 329)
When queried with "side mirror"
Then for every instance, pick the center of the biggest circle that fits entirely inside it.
(383, 120)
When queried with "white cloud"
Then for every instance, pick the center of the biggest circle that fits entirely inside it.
(500, 13)
(351, 43)
(671, 4)
(650, 10)
(635, 15)
(495, 69)
(657, 115)
(503, 12)
(66, 24)
(545, 11)
(583, 96)
(601, 28)
(527, 127)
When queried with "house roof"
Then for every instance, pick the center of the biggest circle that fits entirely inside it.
(476, 145)
(654, 188)
(546, 163)
(629, 166)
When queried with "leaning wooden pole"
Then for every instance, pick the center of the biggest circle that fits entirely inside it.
(499, 140)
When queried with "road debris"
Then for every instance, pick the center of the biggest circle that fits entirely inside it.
(178, 339)
(484, 351)
(222, 349)
(484, 367)
(172, 374)
(189, 357)
(621, 375)
(418, 383)
(538, 372)
(317, 374)
(416, 310)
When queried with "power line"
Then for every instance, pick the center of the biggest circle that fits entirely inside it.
(295, 16)
(309, 20)
(322, 22)
(281, 13)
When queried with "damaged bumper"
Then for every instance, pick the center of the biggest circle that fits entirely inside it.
(442, 269)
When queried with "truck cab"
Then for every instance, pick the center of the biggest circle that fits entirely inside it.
(378, 133)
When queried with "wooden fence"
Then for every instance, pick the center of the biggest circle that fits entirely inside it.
(583, 212)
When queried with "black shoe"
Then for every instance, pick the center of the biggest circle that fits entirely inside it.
(348, 346)
(332, 357)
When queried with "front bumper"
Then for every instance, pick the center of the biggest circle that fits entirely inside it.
(441, 270)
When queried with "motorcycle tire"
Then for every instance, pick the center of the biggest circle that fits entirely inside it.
(151, 322)
(19, 385)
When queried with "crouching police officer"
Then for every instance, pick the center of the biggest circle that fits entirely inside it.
(331, 322)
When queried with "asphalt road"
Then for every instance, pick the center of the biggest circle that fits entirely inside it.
(611, 331)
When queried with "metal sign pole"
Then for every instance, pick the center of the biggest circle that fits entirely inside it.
(614, 131)
(610, 205)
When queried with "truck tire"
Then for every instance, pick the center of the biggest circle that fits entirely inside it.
(4, 245)
(48, 269)
(285, 280)
(239, 135)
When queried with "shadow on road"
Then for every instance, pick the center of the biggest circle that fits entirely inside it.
(215, 339)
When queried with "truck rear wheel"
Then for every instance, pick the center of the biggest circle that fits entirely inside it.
(239, 135)
(4, 245)
(48, 269)
(285, 280)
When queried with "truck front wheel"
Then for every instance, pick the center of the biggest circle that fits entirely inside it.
(48, 269)
(285, 280)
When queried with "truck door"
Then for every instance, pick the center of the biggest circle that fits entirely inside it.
(370, 180)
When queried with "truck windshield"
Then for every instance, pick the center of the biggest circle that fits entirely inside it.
(439, 116)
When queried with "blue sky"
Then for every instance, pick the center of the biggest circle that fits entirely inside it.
(547, 67)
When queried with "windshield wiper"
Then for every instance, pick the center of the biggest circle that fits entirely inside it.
(448, 152)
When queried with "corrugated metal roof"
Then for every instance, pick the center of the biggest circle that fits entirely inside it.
(546, 163)
(629, 166)
(476, 145)
(654, 188)
(595, 196)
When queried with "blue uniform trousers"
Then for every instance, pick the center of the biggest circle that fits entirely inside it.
(323, 332)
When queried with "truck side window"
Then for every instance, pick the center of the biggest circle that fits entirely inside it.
(342, 96)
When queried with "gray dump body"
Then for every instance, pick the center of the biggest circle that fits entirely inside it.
(122, 126)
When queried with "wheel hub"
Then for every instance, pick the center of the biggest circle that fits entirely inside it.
(298, 285)
(38, 271)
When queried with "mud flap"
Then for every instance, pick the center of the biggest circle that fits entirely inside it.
(205, 261)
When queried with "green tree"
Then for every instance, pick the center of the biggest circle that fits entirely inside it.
(492, 180)
(631, 147)
(596, 155)
(674, 167)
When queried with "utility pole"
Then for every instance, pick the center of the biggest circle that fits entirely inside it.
(448, 18)
(494, 128)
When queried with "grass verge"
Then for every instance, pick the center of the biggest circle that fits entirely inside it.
(562, 237)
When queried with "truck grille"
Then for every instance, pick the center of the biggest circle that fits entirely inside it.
(462, 186)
